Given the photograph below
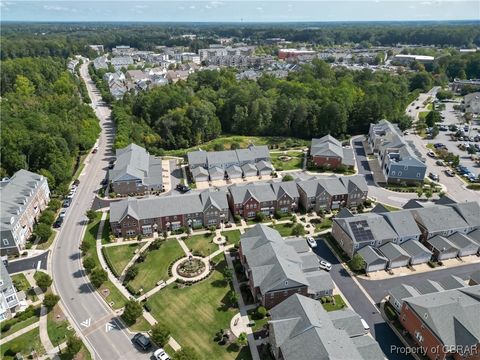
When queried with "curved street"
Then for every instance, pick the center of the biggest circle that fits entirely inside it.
(97, 324)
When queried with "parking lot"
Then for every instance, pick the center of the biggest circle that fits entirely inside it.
(451, 117)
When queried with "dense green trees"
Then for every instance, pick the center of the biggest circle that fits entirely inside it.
(45, 124)
(312, 102)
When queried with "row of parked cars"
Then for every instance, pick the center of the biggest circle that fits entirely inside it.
(66, 203)
(143, 343)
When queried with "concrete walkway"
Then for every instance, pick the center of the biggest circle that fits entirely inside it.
(184, 246)
(243, 310)
(134, 258)
(16, 334)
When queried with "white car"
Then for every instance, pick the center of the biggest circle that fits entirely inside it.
(311, 242)
(365, 325)
(325, 265)
(160, 354)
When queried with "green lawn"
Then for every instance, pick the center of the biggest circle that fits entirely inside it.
(295, 160)
(14, 324)
(21, 284)
(106, 231)
(114, 295)
(195, 313)
(141, 325)
(259, 323)
(390, 208)
(23, 344)
(284, 229)
(119, 256)
(232, 236)
(276, 142)
(201, 244)
(324, 225)
(57, 330)
(155, 266)
(339, 304)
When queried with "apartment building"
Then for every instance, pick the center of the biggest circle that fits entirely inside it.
(9, 298)
(399, 160)
(23, 197)
(328, 152)
(132, 217)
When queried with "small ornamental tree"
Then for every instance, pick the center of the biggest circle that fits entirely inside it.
(74, 345)
(50, 300)
(91, 215)
(133, 310)
(160, 334)
(43, 280)
(357, 263)
(98, 277)
(43, 231)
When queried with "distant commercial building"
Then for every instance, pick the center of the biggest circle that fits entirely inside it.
(136, 172)
(471, 103)
(399, 160)
(408, 59)
(458, 85)
(216, 50)
(23, 197)
(284, 54)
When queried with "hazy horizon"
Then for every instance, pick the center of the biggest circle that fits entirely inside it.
(234, 11)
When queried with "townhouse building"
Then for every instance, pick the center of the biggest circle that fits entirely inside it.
(399, 160)
(327, 193)
(328, 152)
(276, 271)
(252, 161)
(22, 198)
(136, 172)
(132, 217)
(9, 298)
(444, 323)
(301, 329)
(267, 198)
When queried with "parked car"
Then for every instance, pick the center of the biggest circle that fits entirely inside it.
(311, 242)
(440, 163)
(365, 325)
(66, 203)
(325, 265)
(431, 154)
(104, 182)
(182, 188)
(63, 212)
(58, 223)
(449, 173)
(142, 342)
(160, 354)
(76, 182)
(433, 176)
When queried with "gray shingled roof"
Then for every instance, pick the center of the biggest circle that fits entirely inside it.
(348, 320)
(372, 255)
(355, 181)
(374, 227)
(403, 223)
(403, 291)
(475, 236)
(439, 218)
(285, 187)
(249, 169)
(475, 276)
(135, 161)
(462, 241)
(428, 286)
(156, 207)
(196, 158)
(452, 282)
(469, 211)
(264, 165)
(221, 158)
(303, 330)
(451, 315)
(260, 191)
(414, 248)
(199, 172)
(326, 146)
(368, 348)
(393, 252)
(441, 244)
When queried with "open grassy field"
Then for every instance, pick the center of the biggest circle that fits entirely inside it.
(201, 244)
(295, 160)
(119, 256)
(232, 236)
(277, 142)
(155, 266)
(195, 313)
(23, 344)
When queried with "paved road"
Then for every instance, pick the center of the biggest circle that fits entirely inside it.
(81, 302)
(28, 263)
(361, 304)
(378, 289)
(380, 194)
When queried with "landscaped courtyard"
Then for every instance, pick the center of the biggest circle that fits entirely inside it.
(232, 236)
(155, 266)
(119, 256)
(201, 245)
(194, 314)
(290, 160)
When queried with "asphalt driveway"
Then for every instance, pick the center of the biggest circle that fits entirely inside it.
(361, 304)
(29, 263)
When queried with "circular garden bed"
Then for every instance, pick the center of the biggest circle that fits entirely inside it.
(190, 268)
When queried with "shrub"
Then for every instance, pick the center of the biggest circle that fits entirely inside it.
(259, 216)
(133, 310)
(54, 204)
(298, 230)
(160, 334)
(74, 345)
(89, 264)
(47, 217)
(43, 280)
(155, 245)
(287, 177)
(91, 215)
(98, 277)
(261, 312)
(85, 246)
(43, 231)
(357, 263)
(131, 273)
(50, 300)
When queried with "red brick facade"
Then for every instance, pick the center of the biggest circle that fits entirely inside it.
(327, 161)
(426, 339)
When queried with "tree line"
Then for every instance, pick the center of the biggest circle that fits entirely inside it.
(45, 124)
(314, 101)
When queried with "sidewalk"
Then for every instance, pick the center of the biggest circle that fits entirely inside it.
(16, 334)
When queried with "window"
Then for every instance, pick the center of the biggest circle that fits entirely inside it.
(5, 242)
(393, 173)
(399, 173)
(418, 336)
(418, 175)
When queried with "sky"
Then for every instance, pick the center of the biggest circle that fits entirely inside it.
(239, 11)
